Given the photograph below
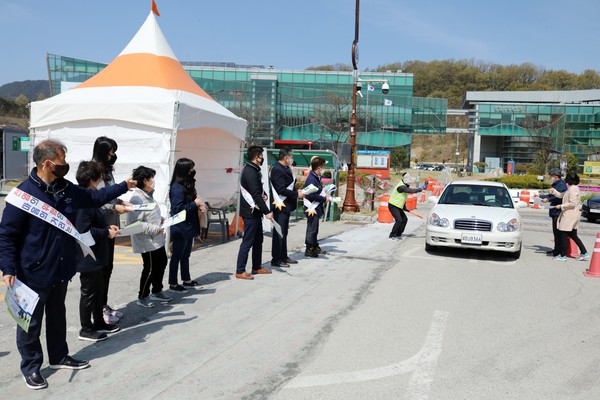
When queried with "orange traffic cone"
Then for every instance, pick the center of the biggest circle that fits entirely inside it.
(240, 228)
(572, 249)
(594, 270)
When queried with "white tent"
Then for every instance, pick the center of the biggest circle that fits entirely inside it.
(156, 113)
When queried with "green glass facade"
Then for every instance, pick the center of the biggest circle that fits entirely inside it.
(511, 130)
(301, 105)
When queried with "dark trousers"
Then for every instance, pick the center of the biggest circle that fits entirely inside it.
(564, 242)
(312, 231)
(253, 239)
(279, 250)
(91, 301)
(52, 302)
(180, 257)
(108, 268)
(557, 236)
(400, 218)
(155, 262)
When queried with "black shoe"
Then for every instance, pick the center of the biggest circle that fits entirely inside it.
(319, 251)
(107, 328)
(551, 253)
(70, 363)
(177, 288)
(91, 335)
(290, 261)
(190, 284)
(35, 381)
(280, 264)
(311, 252)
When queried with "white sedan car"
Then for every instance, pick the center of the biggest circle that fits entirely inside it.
(475, 215)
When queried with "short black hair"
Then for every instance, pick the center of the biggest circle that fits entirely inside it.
(572, 178)
(253, 152)
(317, 162)
(284, 152)
(141, 173)
(88, 171)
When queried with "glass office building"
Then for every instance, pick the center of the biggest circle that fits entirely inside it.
(299, 105)
(514, 125)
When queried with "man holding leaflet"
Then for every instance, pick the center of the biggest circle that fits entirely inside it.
(285, 200)
(41, 254)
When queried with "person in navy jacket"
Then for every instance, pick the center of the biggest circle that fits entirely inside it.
(560, 186)
(183, 196)
(317, 165)
(44, 257)
(251, 182)
(282, 176)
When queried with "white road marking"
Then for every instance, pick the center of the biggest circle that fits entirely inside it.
(422, 363)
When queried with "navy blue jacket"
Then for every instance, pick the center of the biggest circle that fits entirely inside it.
(561, 187)
(37, 253)
(251, 180)
(179, 202)
(281, 178)
(316, 196)
(93, 220)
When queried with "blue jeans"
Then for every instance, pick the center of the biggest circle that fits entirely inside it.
(253, 239)
(180, 255)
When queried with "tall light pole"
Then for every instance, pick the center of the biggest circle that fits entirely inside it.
(350, 200)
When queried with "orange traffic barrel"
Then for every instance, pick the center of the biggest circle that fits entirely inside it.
(525, 196)
(383, 212)
(411, 202)
(437, 188)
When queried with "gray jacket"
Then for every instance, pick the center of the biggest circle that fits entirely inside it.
(150, 239)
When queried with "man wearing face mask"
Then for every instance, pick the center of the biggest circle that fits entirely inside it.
(313, 207)
(397, 202)
(285, 200)
(252, 208)
(43, 255)
(560, 186)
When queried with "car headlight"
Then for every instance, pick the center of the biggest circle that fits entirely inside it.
(435, 220)
(510, 226)
(585, 203)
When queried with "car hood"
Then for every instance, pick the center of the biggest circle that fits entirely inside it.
(460, 211)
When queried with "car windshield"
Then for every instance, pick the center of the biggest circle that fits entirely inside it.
(477, 195)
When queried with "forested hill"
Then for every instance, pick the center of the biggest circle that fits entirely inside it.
(33, 90)
(451, 79)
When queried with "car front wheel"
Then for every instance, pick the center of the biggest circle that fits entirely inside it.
(516, 255)
(591, 219)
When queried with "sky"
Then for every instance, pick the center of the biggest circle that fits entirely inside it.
(292, 34)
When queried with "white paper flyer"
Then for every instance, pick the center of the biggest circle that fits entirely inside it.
(21, 302)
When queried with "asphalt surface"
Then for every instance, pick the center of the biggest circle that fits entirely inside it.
(373, 319)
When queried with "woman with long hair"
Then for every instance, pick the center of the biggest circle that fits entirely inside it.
(183, 196)
(105, 153)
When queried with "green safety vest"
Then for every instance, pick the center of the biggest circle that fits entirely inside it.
(398, 199)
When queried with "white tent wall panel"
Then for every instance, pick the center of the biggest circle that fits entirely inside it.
(214, 152)
(150, 147)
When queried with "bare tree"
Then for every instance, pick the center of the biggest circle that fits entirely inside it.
(547, 134)
(333, 117)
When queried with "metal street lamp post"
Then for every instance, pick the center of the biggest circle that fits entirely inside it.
(350, 199)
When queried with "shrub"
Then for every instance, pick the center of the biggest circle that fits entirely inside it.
(520, 168)
(521, 182)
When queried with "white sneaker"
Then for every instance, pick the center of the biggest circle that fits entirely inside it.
(583, 257)
(113, 312)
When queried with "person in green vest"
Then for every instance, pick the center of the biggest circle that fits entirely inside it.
(397, 202)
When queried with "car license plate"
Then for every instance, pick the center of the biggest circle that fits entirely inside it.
(470, 238)
(595, 210)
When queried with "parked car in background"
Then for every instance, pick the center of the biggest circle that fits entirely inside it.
(590, 209)
(475, 215)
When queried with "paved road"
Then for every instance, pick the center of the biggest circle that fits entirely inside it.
(373, 320)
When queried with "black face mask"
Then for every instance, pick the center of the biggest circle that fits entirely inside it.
(262, 160)
(112, 160)
(192, 174)
(60, 170)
